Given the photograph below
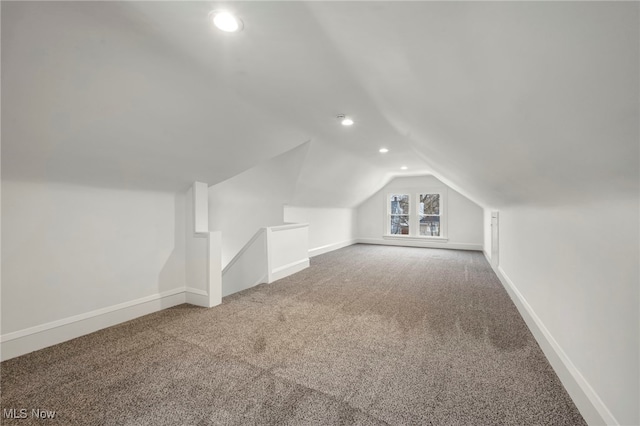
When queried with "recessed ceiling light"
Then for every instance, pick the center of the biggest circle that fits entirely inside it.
(226, 21)
(345, 121)
(383, 150)
(403, 168)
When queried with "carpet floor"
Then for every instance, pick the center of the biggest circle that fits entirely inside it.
(368, 335)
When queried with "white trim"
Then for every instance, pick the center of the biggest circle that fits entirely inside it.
(41, 336)
(407, 242)
(240, 270)
(243, 249)
(262, 280)
(594, 411)
(414, 216)
(290, 265)
(214, 270)
(286, 270)
(274, 274)
(195, 291)
(268, 243)
(330, 247)
(495, 242)
(102, 311)
(414, 237)
(200, 209)
(287, 226)
(196, 296)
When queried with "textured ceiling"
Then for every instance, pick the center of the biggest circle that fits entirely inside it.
(508, 102)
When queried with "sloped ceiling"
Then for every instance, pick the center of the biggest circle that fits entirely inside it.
(508, 102)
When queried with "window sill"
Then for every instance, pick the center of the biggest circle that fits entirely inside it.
(413, 237)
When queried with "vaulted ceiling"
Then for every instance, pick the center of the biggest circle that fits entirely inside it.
(508, 102)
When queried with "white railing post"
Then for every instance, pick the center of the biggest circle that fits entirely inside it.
(215, 269)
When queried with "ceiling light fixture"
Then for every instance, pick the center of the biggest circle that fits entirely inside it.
(403, 168)
(226, 21)
(383, 150)
(345, 121)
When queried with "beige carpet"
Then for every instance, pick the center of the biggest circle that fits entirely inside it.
(367, 335)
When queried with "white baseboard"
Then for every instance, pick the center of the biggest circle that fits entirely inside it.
(262, 280)
(41, 336)
(286, 270)
(417, 243)
(197, 297)
(593, 410)
(330, 247)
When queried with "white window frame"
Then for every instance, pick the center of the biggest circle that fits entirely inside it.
(389, 214)
(414, 214)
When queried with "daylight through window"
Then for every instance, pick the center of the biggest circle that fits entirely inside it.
(429, 214)
(416, 214)
(399, 214)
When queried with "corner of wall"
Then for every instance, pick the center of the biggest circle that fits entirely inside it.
(44, 335)
(592, 408)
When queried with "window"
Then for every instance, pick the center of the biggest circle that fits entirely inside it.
(429, 214)
(399, 215)
(417, 213)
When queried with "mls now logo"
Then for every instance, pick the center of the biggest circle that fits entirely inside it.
(37, 413)
(23, 413)
(14, 413)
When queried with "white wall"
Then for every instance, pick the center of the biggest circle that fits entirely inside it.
(196, 250)
(333, 175)
(577, 267)
(68, 249)
(487, 232)
(200, 204)
(254, 199)
(287, 250)
(249, 267)
(203, 251)
(329, 228)
(465, 218)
